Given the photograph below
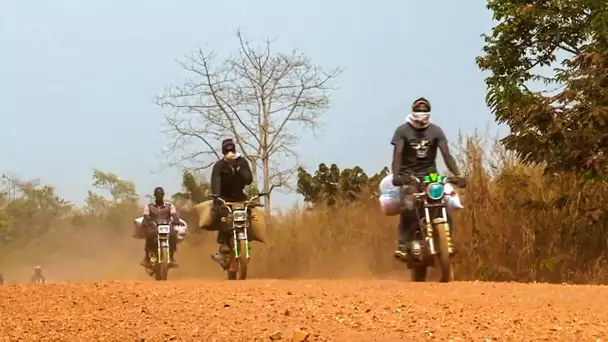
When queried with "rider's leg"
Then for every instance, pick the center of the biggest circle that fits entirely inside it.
(148, 246)
(173, 248)
(407, 220)
(221, 256)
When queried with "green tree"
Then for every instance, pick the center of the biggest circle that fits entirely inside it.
(306, 186)
(29, 209)
(352, 183)
(96, 204)
(329, 185)
(196, 189)
(122, 191)
(563, 124)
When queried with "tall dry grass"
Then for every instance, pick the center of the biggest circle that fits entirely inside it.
(517, 225)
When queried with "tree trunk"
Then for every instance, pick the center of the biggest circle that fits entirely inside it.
(265, 155)
(254, 172)
(266, 182)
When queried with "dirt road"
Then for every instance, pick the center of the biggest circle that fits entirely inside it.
(326, 310)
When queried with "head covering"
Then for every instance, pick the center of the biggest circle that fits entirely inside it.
(228, 146)
(421, 105)
(421, 114)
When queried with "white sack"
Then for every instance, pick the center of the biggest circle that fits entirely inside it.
(391, 197)
(181, 230)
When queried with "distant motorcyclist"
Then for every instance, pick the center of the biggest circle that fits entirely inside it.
(1, 279)
(37, 277)
(156, 212)
(229, 177)
(414, 155)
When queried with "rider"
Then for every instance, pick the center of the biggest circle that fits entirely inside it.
(415, 149)
(229, 177)
(159, 211)
(38, 277)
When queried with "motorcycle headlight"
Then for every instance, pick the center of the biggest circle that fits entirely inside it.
(239, 215)
(434, 191)
(164, 229)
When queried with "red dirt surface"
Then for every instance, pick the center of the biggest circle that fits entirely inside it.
(325, 310)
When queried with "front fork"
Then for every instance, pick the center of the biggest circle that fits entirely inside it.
(235, 238)
(163, 242)
(429, 230)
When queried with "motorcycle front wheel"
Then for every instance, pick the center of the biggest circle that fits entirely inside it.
(443, 260)
(237, 268)
(162, 265)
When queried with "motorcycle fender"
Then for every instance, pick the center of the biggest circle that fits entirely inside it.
(233, 266)
(439, 220)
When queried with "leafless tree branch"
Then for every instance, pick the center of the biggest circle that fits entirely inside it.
(259, 97)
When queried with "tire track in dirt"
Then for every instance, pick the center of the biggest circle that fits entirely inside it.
(328, 310)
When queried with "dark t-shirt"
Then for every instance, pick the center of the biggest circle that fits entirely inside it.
(419, 148)
(227, 182)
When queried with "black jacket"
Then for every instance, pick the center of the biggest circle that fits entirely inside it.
(229, 180)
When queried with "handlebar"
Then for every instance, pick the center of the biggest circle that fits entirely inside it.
(413, 180)
(249, 202)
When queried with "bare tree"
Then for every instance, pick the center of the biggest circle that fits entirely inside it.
(264, 100)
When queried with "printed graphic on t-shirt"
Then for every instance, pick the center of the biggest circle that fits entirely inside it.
(421, 147)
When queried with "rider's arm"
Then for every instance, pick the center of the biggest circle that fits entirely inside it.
(173, 212)
(398, 143)
(216, 179)
(450, 162)
(244, 170)
(146, 215)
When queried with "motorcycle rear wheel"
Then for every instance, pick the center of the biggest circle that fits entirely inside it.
(418, 273)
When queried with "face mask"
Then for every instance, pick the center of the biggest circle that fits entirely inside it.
(230, 155)
(422, 117)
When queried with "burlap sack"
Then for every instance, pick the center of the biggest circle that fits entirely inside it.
(205, 219)
(203, 210)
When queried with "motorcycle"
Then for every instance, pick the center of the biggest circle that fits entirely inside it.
(237, 222)
(160, 259)
(432, 245)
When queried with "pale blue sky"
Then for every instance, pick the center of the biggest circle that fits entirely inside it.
(78, 78)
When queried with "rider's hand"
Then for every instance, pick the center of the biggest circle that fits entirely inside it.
(460, 181)
(404, 179)
(238, 162)
(397, 180)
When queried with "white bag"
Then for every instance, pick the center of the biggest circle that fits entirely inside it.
(180, 230)
(390, 197)
(451, 197)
